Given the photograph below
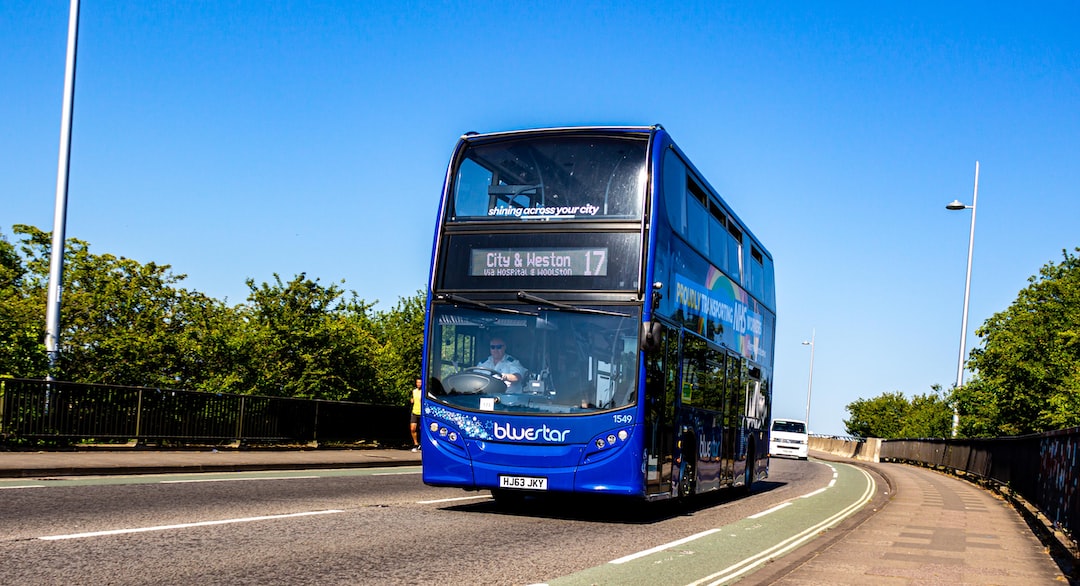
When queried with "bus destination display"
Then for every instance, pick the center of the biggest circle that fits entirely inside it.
(538, 262)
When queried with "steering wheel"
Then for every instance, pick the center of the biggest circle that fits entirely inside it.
(475, 380)
(485, 371)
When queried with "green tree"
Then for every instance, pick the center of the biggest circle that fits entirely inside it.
(304, 341)
(881, 417)
(893, 416)
(212, 347)
(125, 322)
(977, 405)
(928, 415)
(1028, 365)
(122, 322)
(22, 315)
(401, 338)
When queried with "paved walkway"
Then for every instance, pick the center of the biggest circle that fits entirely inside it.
(923, 527)
(143, 461)
(931, 528)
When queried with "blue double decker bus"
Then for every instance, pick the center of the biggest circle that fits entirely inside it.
(598, 321)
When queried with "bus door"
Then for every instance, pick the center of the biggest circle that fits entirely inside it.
(733, 412)
(661, 372)
(757, 412)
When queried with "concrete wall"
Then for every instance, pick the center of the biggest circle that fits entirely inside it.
(867, 451)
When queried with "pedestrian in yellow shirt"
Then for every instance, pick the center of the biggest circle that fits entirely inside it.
(414, 419)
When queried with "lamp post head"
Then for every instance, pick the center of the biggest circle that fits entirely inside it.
(956, 205)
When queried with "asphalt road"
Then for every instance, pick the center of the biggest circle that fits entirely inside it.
(369, 526)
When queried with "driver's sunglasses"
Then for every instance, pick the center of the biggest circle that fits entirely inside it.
(496, 346)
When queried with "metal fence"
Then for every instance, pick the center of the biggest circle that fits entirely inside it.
(1043, 469)
(64, 412)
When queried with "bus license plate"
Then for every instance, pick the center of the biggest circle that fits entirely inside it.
(523, 482)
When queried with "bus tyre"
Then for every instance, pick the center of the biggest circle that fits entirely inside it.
(687, 478)
(748, 475)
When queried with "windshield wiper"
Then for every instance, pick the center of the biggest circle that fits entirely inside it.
(523, 296)
(474, 303)
(513, 190)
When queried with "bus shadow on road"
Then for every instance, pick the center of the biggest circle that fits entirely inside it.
(608, 509)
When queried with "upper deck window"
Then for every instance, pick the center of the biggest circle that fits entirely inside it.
(550, 178)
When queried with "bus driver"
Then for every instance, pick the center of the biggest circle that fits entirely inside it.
(513, 373)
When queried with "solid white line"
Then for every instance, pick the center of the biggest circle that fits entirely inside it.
(460, 498)
(395, 473)
(744, 566)
(185, 525)
(193, 480)
(772, 510)
(675, 543)
(634, 556)
(23, 486)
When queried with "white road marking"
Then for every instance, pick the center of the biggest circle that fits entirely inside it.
(815, 493)
(193, 480)
(675, 543)
(639, 554)
(748, 564)
(186, 525)
(772, 510)
(460, 498)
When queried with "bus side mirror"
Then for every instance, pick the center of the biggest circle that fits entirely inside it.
(650, 336)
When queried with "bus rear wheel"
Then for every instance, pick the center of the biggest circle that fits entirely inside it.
(749, 473)
(687, 480)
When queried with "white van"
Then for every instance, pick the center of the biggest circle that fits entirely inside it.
(789, 438)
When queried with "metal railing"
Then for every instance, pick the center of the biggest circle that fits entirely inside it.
(65, 412)
(1043, 469)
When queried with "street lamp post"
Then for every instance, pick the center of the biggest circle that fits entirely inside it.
(810, 385)
(958, 205)
(56, 253)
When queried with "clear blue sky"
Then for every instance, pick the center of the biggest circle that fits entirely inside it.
(234, 140)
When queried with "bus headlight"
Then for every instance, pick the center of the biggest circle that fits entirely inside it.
(447, 435)
(605, 444)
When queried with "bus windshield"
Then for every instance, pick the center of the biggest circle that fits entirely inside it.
(530, 359)
(550, 178)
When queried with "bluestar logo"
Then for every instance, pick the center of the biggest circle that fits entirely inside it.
(509, 432)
